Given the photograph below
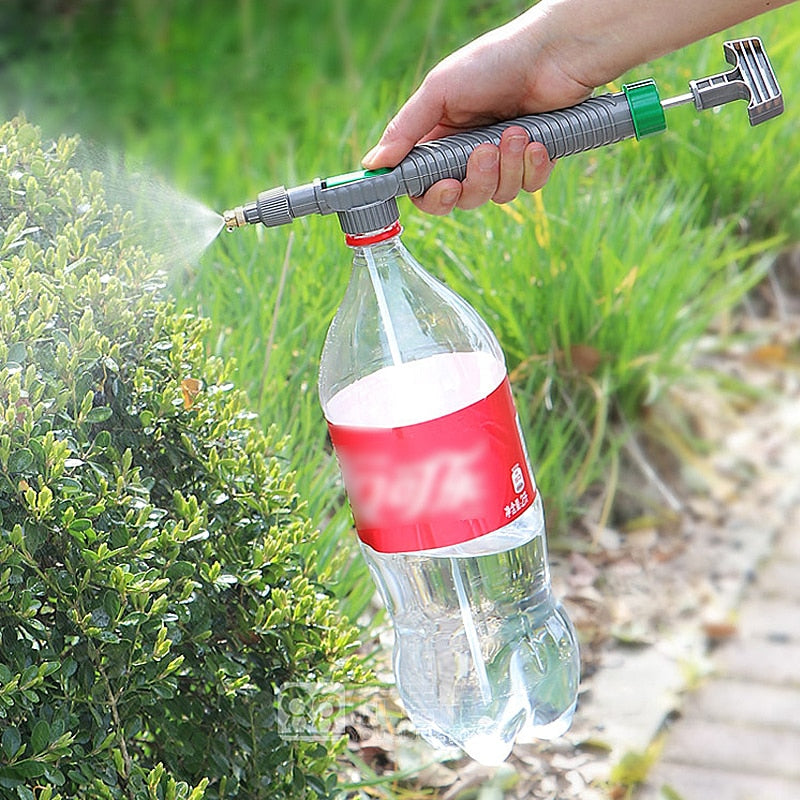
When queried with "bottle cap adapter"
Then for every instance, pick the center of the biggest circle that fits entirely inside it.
(375, 217)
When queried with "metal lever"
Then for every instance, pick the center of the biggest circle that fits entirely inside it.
(752, 78)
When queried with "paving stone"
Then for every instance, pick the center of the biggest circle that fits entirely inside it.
(735, 747)
(704, 783)
(788, 546)
(774, 619)
(637, 689)
(780, 578)
(746, 702)
(761, 660)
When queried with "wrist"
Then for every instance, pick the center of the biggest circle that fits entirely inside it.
(583, 39)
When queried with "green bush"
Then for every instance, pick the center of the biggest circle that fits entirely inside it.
(152, 598)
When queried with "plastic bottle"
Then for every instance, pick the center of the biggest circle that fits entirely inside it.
(414, 388)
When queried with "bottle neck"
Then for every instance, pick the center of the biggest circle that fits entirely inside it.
(359, 240)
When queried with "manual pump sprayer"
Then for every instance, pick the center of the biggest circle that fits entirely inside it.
(419, 407)
(360, 197)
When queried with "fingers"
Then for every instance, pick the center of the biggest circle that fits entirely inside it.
(441, 198)
(418, 117)
(538, 166)
(493, 173)
(512, 165)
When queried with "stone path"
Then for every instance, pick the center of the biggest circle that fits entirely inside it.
(738, 735)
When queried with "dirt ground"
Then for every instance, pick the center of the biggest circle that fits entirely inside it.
(652, 597)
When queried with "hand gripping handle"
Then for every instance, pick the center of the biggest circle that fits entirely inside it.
(605, 119)
(596, 122)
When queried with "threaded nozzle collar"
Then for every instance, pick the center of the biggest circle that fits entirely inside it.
(368, 219)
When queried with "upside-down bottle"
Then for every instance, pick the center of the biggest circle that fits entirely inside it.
(414, 388)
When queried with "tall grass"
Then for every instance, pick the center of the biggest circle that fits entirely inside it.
(597, 287)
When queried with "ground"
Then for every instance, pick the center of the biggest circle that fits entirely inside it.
(656, 599)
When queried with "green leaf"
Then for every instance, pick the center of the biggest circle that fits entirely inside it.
(10, 742)
(181, 569)
(102, 440)
(17, 353)
(98, 414)
(30, 768)
(25, 793)
(20, 460)
(111, 604)
(40, 736)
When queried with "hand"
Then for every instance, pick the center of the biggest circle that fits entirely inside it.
(493, 173)
(549, 57)
(501, 75)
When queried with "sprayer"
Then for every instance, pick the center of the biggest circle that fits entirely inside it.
(419, 407)
(637, 110)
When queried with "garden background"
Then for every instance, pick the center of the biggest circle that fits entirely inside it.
(599, 288)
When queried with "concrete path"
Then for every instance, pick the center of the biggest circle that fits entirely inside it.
(738, 735)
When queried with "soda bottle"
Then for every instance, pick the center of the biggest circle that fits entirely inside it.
(414, 389)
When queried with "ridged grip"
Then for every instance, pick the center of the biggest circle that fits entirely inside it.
(594, 123)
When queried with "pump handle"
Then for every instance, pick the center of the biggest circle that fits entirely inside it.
(596, 122)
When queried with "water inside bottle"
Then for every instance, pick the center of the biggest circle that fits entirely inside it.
(483, 655)
(511, 672)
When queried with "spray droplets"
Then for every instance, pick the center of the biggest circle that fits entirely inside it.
(167, 222)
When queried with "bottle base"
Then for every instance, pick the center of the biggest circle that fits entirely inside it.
(491, 750)
(550, 730)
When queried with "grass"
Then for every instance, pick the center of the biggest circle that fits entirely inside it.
(597, 287)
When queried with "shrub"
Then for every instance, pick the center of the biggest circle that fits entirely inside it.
(152, 598)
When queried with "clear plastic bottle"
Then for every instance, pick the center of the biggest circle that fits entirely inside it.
(414, 388)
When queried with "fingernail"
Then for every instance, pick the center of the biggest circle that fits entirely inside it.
(487, 159)
(371, 155)
(539, 156)
(516, 144)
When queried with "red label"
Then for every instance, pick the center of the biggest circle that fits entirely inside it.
(436, 483)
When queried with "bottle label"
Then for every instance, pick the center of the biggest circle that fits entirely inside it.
(440, 482)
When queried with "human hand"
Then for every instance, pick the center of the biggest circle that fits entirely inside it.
(496, 173)
(551, 56)
(501, 75)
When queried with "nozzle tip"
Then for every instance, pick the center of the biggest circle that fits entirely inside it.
(234, 218)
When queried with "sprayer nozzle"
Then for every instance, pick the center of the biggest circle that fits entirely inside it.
(234, 218)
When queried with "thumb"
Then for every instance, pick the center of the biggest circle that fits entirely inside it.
(418, 116)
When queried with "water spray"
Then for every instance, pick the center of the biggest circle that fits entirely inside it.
(364, 200)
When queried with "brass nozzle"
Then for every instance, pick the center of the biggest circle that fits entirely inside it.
(234, 218)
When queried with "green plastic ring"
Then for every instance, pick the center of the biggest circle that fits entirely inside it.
(645, 105)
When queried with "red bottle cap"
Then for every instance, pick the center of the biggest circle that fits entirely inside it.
(373, 237)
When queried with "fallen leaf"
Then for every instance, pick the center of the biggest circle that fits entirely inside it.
(581, 571)
(773, 353)
(438, 776)
(585, 358)
(719, 631)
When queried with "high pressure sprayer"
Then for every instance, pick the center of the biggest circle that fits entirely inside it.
(419, 407)
(605, 119)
